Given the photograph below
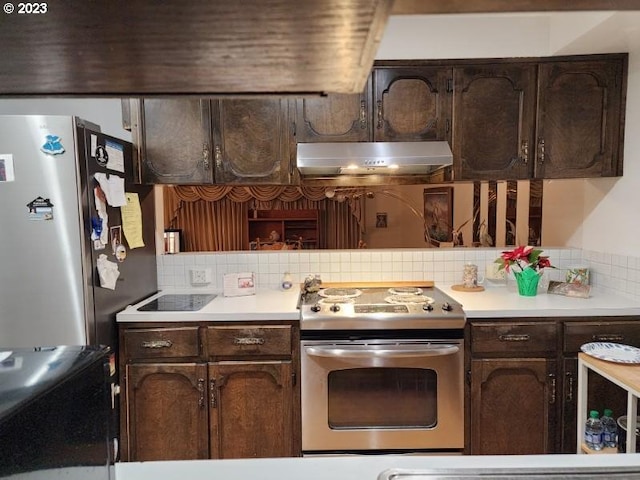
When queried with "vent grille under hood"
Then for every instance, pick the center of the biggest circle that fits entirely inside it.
(390, 158)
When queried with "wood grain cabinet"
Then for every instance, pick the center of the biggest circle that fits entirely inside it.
(172, 140)
(523, 382)
(494, 112)
(398, 104)
(513, 388)
(198, 141)
(546, 119)
(580, 118)
(229, 391)
(252, 141)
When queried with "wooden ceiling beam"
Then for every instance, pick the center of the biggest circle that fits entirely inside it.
(412, 7)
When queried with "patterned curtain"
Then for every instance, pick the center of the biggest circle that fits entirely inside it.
(214, 218)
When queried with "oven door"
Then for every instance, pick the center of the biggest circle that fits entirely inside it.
(382, 395)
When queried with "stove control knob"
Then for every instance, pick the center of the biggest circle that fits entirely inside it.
(446, 307)
(427, 307)
(334, 308)
(315, 308)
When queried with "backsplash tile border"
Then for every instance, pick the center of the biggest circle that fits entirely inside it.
(609, 272)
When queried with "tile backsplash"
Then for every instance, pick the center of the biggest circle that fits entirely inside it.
(616, 273)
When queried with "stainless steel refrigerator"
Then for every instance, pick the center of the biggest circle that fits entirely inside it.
(50, 293)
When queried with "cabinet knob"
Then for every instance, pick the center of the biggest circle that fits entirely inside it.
(604, 337)
(380, 113)
(514, 338)
(248, 341)
(363, 115)
(524, 149)
(212, 393)
(541, 152)
(205, 157)
(157, 344)
(218, 156)
(569, 395)
(552, 381)
(201, 391)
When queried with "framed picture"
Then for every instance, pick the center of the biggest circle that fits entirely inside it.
(381, 220)
(438, 214)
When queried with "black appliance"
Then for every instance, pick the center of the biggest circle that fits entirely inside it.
(178, 302)
(56, 413)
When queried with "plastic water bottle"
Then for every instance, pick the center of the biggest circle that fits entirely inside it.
(593, 431)
(609, 429)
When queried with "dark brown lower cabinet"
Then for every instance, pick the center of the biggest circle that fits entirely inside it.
(167, 417)
(251, 410)
(513, 406)
(523, 381)
(198, 391)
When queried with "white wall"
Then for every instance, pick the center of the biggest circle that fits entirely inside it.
(105, 112)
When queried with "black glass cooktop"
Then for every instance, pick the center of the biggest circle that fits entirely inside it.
(181, 302)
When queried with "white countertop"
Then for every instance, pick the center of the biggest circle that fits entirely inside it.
(352, 467)
(496, 301)
(266, 304)
(504, 301)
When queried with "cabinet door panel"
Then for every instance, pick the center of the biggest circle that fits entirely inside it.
(176, 141)
(167, 411)
(512, 406)
(493, 121)
(251, 409)
(578, 119)
(334, 118)
(411, 104)
(251, 142)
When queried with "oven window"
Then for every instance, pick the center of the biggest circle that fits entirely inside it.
(382, 398)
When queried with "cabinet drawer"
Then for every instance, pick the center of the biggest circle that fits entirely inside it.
(577, 334)
(513, 337)
(242, 341)
(161, 342)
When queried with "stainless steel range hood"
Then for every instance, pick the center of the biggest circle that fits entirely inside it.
(379, 158)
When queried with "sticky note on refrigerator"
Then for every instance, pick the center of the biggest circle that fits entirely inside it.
(132, 220)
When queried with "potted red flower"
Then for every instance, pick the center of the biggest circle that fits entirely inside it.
(529, 262)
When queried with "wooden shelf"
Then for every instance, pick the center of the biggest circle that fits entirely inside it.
(291, 225)
(588, 450)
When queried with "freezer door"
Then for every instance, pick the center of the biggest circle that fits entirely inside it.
(41, 277)
(138, 271)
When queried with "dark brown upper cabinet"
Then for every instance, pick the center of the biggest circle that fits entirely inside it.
(252, 141)
(540, 119)
(172, 140)
(412, 104)
(335, 118)
(493, 121)
(398, 104)
(580, 117)
(196, 141)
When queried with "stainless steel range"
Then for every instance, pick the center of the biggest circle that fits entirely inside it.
(382, 370)
(380, 308)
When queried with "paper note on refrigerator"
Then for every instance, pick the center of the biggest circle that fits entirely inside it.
(113, 188)
(132, 220)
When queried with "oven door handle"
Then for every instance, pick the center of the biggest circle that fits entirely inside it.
(399, 352)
